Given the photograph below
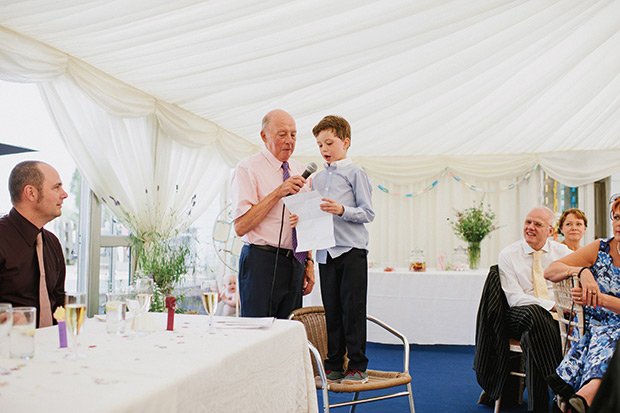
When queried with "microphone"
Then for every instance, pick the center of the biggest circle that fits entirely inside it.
(310, 169)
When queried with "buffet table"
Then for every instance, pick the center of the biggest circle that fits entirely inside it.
(184, 370)
(432, 307)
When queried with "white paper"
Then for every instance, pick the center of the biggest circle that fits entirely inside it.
(315, 228)
(244, 323)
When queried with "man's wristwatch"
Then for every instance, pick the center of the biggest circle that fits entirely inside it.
(309, 259)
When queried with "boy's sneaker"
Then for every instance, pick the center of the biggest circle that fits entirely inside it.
(334, 375)
(355, 377)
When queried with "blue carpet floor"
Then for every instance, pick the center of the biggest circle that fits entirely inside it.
(442, 376)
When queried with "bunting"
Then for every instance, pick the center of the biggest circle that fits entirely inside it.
(457, 178)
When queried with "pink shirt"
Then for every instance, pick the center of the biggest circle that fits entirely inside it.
(255, 178)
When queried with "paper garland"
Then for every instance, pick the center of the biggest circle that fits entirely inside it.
(432, 186)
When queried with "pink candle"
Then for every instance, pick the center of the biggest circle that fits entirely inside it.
(170, 303)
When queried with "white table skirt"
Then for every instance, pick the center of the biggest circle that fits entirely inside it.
(432, 307)
(186, 370)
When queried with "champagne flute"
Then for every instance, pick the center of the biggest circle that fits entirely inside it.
(133, 306)
(210, 296)
(75, 314)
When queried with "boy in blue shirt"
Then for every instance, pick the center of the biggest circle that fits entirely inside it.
(347, 193)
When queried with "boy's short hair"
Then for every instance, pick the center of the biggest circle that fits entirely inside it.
(338, 125)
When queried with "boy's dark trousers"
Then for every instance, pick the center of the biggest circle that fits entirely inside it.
(344, 284)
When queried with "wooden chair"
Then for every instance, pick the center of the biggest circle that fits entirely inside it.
(515, 352)
(496, 353)
(313, 319)
(570, 315)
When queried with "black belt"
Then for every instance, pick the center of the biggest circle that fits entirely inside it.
(283, 251)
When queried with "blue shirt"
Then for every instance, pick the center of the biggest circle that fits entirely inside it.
(348, 185)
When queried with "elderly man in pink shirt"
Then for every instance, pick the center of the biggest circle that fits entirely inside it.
(272, 277)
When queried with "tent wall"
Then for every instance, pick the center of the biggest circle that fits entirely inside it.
(404, 223)
(155, 104)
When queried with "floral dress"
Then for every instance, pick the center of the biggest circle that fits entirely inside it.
(589, 357)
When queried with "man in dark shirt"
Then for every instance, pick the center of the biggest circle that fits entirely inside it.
(37, 196)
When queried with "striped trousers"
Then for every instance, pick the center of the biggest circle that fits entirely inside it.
(539, 335)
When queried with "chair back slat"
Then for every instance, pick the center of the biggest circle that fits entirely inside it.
(570, 315)
(313, 319)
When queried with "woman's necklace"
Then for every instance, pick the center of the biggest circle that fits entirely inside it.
(617, 247)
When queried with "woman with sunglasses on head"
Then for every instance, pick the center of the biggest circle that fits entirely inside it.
(579, 375)
(572, 225)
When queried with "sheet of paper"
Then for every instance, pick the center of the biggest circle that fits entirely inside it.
(244, 323)
(315, 228)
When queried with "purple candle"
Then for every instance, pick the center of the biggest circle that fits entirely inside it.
(62, 334)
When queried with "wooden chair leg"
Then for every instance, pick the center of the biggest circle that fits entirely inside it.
(521, 382)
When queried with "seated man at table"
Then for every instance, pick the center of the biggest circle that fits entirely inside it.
(32, 265)
(530, 300)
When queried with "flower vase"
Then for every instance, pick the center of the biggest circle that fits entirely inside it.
(474, 255)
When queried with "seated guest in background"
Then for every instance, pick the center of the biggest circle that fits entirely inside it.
(258, 186)
(530, 300)
(597, 266)
(229, 297)
(572, 225)
(37, 196)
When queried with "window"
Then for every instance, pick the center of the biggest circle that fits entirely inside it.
(559, 197)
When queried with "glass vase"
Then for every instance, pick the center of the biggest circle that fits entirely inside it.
(474, 255)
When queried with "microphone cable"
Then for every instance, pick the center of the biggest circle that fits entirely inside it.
(310, 169)
(275, 266)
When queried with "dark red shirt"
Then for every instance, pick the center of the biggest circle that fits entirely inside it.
(19, 265)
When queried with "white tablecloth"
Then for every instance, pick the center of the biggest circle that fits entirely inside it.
(432, 307)
(186, 370)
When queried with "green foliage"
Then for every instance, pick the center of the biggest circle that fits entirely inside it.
(473, 224)
(166, 260)
(162, 252)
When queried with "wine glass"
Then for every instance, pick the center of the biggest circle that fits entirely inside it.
(75, 314)
(210, 296)
(139, 302)
(6, 321)
(144, 293)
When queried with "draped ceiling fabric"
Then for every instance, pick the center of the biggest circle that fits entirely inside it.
(487, 89)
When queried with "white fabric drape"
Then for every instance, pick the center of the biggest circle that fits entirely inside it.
(447, 83)
(166, 95)
(150, 181)
(140, 156)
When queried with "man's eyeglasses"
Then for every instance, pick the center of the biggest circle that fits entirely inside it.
(537, 224)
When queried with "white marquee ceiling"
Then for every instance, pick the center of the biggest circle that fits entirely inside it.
(477, 86)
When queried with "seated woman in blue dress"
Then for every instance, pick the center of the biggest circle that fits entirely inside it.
(580, 373)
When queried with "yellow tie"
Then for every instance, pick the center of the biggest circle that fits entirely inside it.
(540, 285)
(45, 317)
